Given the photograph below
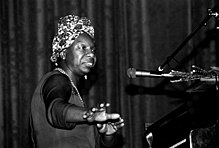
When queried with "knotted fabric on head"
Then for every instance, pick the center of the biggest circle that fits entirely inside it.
(69, 28)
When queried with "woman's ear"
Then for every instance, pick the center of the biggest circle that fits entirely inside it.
(63, 54)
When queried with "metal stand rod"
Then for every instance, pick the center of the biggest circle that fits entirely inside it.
(211, 12)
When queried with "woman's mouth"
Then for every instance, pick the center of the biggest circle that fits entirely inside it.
(88, 64)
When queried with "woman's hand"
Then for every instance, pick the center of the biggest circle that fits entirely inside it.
(98, 114)
(106, 123)
(110, 128)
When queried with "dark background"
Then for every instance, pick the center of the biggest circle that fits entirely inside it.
(129, 33)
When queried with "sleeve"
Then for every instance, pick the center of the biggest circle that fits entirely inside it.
(56, 93)
(104, 141)
(108, 142)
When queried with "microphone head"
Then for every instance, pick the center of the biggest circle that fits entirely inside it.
(131, 73)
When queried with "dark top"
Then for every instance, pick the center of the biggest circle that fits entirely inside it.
(51, 99)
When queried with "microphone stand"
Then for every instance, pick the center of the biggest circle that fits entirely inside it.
(211, 12)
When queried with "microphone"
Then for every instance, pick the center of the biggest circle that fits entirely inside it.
(133, 73)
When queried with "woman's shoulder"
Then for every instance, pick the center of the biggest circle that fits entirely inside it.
(56, 76)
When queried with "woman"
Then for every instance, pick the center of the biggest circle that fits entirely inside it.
(59, 117)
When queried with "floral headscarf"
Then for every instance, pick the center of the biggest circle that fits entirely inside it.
(69, 28)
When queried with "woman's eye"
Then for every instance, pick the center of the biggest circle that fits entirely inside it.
(79, 46)
(84, 48)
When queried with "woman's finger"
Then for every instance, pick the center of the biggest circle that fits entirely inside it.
(112, 116)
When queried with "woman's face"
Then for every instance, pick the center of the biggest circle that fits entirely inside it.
(80, 56)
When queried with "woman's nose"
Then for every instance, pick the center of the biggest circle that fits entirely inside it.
(90, 52)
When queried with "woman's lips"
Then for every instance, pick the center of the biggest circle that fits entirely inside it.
(89, 64)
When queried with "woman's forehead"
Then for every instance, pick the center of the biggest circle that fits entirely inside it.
(85, 38)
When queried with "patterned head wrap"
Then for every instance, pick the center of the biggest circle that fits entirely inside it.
(69, 28)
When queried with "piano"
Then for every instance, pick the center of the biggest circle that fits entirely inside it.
(193, 124)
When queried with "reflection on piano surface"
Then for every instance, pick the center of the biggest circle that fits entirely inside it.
(204, 137)
(183, 126)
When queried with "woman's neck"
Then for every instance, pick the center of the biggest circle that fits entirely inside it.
(75, 78)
